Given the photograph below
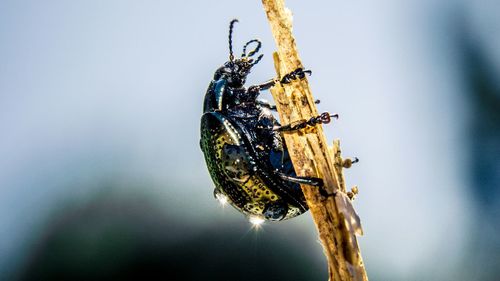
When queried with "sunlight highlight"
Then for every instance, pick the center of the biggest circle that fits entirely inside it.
(223, 200)
(256, 221)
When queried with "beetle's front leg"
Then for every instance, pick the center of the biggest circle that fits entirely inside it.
(298, 73)
(324, 118)
(262, 87)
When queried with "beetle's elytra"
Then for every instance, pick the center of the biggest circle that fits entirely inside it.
(243, 143)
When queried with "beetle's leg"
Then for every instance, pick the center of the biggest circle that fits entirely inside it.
(266, 104)
(254, 91)
(262, 87)
(301, 180)
(306, 180)
(324, 118)
(298, 73)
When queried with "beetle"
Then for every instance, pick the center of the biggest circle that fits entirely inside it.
(243, 143)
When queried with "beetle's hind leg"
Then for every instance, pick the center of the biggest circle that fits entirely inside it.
(302, 180)
(307, 180)
(323, 118)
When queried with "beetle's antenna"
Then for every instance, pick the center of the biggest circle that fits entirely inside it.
(259, 44)
(257, 60)
(231, 25)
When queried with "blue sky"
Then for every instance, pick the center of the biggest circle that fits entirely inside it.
(99, 90)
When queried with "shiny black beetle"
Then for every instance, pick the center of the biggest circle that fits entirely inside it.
(243, 144)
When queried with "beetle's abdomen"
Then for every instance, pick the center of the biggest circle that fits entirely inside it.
(236, 173)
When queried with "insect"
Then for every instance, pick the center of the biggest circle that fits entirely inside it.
(243, 143)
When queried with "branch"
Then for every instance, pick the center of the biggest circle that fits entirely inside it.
(336, 221)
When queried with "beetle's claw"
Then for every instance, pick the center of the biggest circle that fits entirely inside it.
(325, 118)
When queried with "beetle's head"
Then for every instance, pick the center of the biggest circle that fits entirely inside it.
(236, 70)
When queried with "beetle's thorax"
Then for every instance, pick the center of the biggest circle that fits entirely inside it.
(244, 111)
(239, 96)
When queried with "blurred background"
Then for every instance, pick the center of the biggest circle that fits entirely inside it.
(102, 178)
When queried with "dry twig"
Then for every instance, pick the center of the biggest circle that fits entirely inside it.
(335, 218)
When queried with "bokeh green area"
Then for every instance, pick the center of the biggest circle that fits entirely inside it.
(131, 237)
(102, 178)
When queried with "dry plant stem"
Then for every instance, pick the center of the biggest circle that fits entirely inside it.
(335, 219)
